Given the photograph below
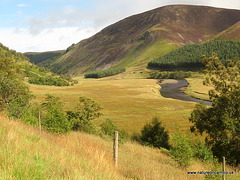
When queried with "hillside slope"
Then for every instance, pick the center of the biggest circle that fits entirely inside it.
(30, 72)
(38, 57)
(27, 154)
(232, 33)
(144, 37)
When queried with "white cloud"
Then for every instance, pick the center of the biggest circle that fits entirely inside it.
(22, 5)
(106, 12)
(57, 28)
(48, 40)
(67, 16)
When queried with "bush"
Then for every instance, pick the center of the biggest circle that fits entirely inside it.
(80, 124)
(153, 134)
(53, 118)
(86, 110)
(202, 152)
(181, 149)
(30, 116)
(108, 129)
(104, 73)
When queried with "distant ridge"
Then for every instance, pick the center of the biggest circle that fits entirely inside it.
(136, 40)
(232, 33)
(38, 57)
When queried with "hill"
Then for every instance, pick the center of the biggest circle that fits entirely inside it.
(38, 57)
(189, 56)
(32, 73)
(136, 40)
(232, 33)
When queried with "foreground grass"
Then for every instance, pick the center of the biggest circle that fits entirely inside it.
(26, 154)
(130, 103)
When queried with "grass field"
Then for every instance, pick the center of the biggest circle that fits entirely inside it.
(27, 154)
(197, 89)
(130, 103)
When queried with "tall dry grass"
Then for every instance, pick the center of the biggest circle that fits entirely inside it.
(27, 154)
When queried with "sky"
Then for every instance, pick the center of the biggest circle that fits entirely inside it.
(47, 25)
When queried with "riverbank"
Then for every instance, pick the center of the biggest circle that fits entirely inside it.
(172, 88)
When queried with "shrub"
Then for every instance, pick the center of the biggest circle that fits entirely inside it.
(108, 129)
(154, 134)
(30, 116)
(202, 152)
(54, 118)
(79, 124)
(181, 149)
(86, 110)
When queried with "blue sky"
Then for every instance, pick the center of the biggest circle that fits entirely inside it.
(44, 25)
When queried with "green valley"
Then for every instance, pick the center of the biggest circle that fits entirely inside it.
(59, 110)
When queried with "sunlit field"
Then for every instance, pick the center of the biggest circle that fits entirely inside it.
(197, 89)
(26, 154)
(129, 103)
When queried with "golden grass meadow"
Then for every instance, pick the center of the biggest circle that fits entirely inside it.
(27, 154)
(130, 103)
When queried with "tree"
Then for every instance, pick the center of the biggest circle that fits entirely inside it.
(53, 118)
(14, 94)
(86, 110)
(154, 134)
(221, 122)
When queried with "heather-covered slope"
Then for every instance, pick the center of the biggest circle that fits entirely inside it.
(232, 33)
(157, 32)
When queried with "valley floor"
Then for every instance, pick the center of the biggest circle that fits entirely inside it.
(129, 103)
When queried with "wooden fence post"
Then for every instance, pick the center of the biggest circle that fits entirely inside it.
(39, 121)
(223, 177)
(115, 148)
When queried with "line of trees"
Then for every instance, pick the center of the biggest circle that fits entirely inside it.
(189, 56)
(47, 80)
(169, 75)
(104, 73)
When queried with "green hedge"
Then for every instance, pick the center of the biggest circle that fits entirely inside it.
(104, 73)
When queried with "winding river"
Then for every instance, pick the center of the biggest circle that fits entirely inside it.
(172, 88)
